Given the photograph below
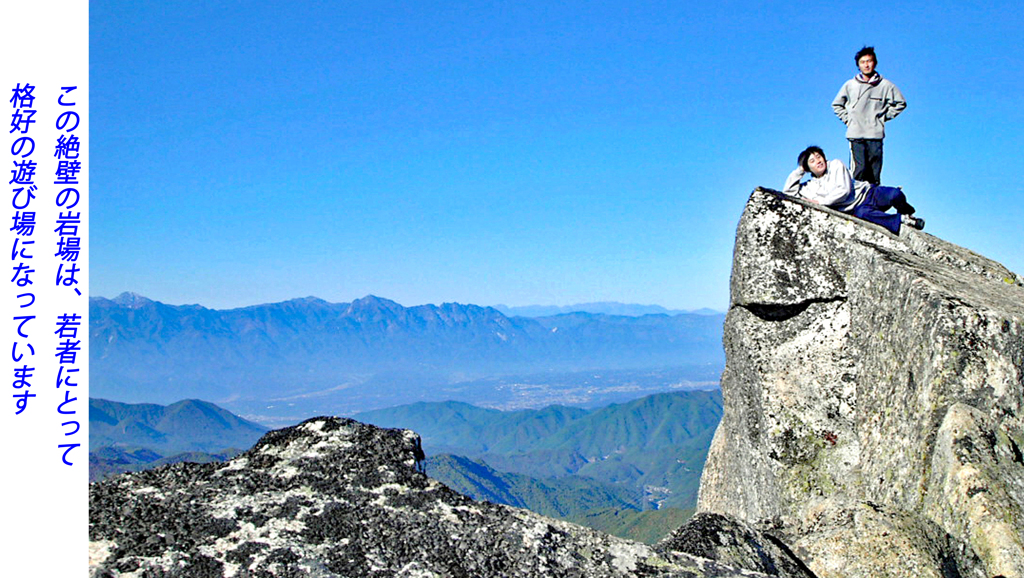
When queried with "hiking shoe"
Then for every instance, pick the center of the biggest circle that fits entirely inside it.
(912, 221)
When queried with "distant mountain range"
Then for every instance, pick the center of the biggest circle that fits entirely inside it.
(372, 352)
(128, 437)
(184, 426)
(601, 307)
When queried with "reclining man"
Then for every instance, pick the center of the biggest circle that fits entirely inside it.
(832, 186)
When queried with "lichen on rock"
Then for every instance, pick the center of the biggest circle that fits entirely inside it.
(333, 497)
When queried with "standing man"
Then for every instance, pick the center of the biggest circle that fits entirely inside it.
(865, 103)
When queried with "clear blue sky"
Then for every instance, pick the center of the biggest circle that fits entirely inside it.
(515, 152)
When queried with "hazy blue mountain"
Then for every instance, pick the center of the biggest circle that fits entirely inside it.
(648, 526)
(455, 426)
(602, 307)
(109, 461)
(131, 437)
(655, 445)
(372, 352)
(186, 426)
(561, 498)
(616, 509)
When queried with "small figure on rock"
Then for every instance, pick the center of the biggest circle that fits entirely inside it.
(831, 185)
(865, 103)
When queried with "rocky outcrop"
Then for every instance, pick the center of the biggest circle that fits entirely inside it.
(729, 541)
(873, 398)
(332, 497)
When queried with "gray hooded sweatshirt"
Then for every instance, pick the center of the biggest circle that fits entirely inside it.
(865, 107)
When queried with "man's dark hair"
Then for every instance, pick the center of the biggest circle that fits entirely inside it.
(867, 50)
(806, 154)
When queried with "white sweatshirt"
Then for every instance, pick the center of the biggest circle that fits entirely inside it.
(835, 189)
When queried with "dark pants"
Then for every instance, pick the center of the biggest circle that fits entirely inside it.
(866, 158)
(879, 200)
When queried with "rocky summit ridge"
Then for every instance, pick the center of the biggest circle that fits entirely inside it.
(333, 497)
(873, 395)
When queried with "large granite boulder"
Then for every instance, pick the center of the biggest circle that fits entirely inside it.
(873, 398)
(332, 497)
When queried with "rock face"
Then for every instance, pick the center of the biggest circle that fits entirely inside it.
(334, 497)
(873, 397)
(726, 540)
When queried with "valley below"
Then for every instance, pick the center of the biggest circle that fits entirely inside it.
(630, 469)
(586, 389)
